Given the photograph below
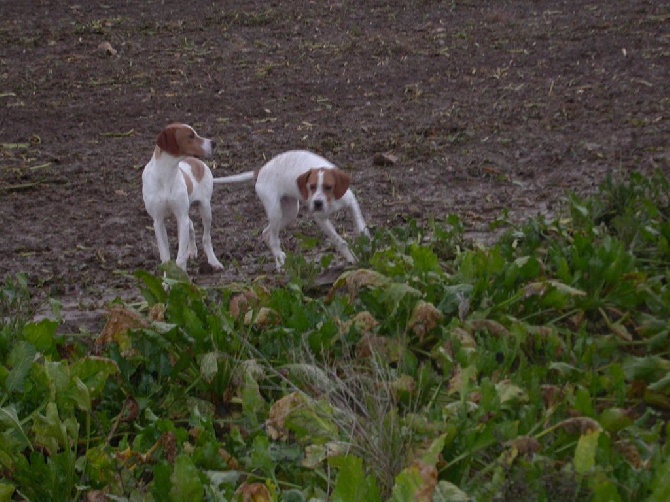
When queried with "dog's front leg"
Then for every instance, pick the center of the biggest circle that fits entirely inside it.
(340, 244)
(271, 238)
(183, 229)
(162, 240)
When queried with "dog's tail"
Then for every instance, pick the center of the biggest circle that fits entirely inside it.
(236, 178)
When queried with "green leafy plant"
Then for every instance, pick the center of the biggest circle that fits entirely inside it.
(532, 369)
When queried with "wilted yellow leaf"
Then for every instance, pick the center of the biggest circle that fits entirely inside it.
(252, 492)
(355, 280)
(120, 320)
(280, 410)
(425, 318)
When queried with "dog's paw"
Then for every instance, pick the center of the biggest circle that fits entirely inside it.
(210, 268)
(216, 265)
(280, 259)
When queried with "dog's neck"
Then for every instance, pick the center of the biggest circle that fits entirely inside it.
(166, 166)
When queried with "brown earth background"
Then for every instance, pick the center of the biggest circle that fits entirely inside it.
(488, 106)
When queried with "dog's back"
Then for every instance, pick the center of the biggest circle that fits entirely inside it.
(282, 171)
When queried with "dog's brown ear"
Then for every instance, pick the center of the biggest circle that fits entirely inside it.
(167, 141)
(342, 182)
(302, 184)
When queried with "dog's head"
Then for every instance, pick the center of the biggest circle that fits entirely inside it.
(181, 140)
(319, 187)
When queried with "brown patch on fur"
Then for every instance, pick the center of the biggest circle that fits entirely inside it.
(188, 180)
(167, 141)
(302, 183)
(197, 168)
(180, 139)
(342, 182)
(337, 179)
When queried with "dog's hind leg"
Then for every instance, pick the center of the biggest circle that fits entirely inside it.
(206, 215)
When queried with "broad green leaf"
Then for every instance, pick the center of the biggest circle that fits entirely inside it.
(604, 490)
(6, 491)
(293, 496)
(94, 372)
(10, 420)
(409, 484)
(100, 466)
(173, 274)
(162, 481)
(218, 478)
(425, 260)
(58, 378)
(393, 295)
(194, 326)
(252, 400)
(186, 484)
(564, 288)
(660, 484)
(431, 455)
(352, 485)
(314, 455)
(261, 457)
(565, 370)
(312, 424)
(80, 394)
(317, 453)
(52, 433)
(20, 359)
(448, 492)
(509, 392)
(41, 334)
(649, 369)
(583, 210)
(661, 385)
(585, 452)
(209, 366)
(153, 290)
(615, 419)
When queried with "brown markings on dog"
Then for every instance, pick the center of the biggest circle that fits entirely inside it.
(180, 139)
(339, 180)
(335, 183)
(197, 168)
(188, 180)
(303, 181)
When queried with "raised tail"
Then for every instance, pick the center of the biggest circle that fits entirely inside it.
(235, 178)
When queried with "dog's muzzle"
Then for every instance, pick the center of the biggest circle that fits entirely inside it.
(317, 205)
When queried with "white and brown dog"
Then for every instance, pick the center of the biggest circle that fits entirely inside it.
(175, 178)
(301, 176)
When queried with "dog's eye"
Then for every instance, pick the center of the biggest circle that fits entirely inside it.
(327, 188)
(312, 187)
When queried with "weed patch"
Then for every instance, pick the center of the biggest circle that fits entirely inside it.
(533, 369)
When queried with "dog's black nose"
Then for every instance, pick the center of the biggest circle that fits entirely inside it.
(213, 145)
(318, 205)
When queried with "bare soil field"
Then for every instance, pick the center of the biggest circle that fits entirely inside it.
(486, 107)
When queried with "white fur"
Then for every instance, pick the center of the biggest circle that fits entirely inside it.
(277, 188)
(164, 189)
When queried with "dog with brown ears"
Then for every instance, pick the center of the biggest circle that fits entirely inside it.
(174, 179)
(300, 176)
